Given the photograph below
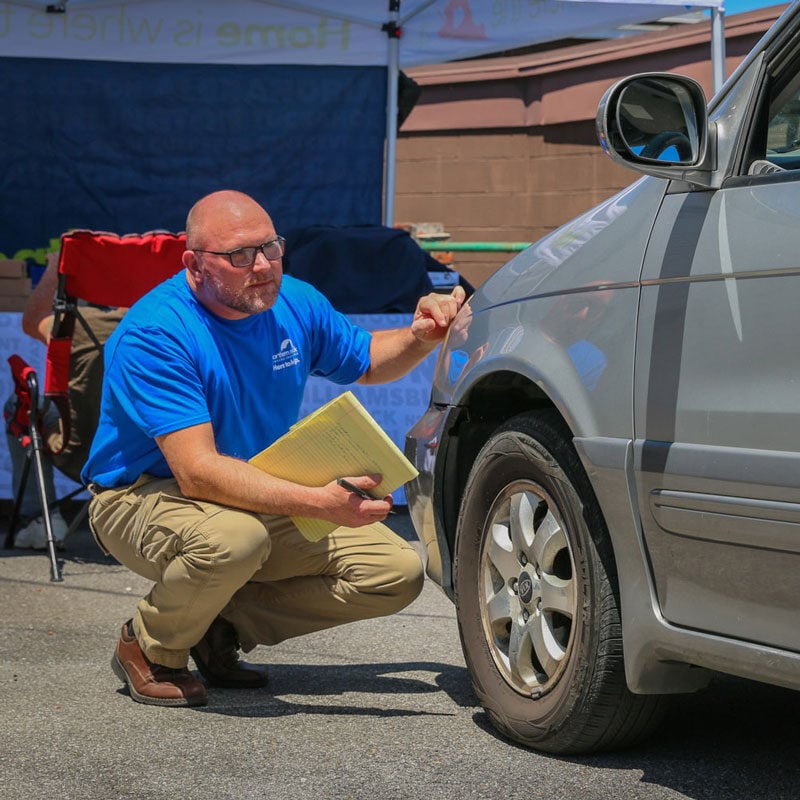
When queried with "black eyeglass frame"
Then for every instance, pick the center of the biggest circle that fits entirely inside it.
(279, 240)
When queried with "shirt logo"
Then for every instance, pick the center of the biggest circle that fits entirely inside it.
(287, 356)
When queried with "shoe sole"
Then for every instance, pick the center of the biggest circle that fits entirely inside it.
(225, 683)
(175, 702)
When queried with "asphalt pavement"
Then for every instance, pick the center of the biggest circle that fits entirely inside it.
(380, 709)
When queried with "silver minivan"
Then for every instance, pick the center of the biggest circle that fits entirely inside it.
(609, 483)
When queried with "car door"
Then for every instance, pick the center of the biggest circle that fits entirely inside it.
(717, 383)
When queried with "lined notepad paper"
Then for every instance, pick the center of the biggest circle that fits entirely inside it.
(338, 439)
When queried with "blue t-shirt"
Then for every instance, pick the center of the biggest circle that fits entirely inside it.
(171, 364)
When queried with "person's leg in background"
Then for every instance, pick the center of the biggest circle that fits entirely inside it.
(31, 532)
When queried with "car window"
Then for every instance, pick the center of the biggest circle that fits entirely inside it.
(776, 144)
(783, 128)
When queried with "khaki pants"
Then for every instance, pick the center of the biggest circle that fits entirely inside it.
(257, 571)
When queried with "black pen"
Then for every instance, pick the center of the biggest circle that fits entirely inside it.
(345, 484)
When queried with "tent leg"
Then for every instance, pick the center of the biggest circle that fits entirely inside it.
(392, 80)
(717, 48)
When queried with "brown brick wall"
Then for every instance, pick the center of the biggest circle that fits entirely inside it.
(500, 186)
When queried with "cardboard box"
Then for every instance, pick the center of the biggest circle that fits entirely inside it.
(13, 268)
(20, 287)
(12, 303)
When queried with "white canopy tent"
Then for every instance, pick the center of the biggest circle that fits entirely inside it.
(394, 33)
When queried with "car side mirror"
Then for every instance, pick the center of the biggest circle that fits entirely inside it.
(657, 123)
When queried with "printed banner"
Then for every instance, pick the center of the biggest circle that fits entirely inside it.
(312, 32)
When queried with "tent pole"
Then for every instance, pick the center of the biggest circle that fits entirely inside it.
(392, 80)
(718, 47)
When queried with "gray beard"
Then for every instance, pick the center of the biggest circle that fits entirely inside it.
(243, 300)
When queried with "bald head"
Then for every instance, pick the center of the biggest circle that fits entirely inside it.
(217, 218)
(218, 224)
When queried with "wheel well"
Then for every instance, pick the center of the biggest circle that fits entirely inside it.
(488, 404)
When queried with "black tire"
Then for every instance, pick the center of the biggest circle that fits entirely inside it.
(553, 680)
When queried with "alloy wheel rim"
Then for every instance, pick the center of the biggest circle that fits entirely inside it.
(527, 588)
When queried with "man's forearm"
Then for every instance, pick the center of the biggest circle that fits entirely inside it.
(231, 482)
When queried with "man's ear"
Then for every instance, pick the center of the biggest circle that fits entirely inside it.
(192, 263)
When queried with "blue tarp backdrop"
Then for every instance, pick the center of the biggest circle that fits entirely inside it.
(128, 147)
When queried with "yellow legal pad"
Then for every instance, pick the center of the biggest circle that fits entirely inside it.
(338, 439)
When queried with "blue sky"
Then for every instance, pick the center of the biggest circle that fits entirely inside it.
(737, 6)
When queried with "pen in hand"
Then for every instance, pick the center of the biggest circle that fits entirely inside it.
(345, 484)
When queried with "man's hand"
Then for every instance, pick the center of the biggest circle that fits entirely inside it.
(350, 508)
(393, 353)
(434, 314)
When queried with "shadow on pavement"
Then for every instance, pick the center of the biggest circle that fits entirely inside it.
(734, 740)
(290, 682)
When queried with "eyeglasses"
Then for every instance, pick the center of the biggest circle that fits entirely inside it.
(246, 256)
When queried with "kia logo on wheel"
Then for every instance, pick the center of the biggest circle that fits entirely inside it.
(525, 586)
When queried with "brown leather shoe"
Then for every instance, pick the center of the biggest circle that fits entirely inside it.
(217, 658)
(152, 683)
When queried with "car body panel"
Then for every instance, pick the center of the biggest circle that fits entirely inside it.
(425, 443)
(535, 290)
(662, 657)
(717, 412)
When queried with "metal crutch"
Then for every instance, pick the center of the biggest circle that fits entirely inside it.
(35, 454)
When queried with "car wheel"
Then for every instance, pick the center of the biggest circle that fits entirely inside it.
(536, 597)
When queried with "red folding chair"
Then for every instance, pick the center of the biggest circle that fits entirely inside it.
(98, 269)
